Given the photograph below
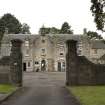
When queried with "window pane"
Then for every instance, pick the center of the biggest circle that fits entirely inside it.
(28, 64)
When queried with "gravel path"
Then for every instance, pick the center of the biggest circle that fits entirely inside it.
(42, 89)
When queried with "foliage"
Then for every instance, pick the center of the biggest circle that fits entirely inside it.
(66, 29)
(48, 30)
(54, 30)
(10, 22)
(44, 30)
(89, 95)
(6, 88)
(97, 9)
(94, 35)
(25, 29)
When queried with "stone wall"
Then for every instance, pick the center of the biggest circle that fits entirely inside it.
(50, 65)
(80, 71)
(11, 66)
(16, 63)
(4, 70)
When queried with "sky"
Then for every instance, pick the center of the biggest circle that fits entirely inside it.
(51, 13)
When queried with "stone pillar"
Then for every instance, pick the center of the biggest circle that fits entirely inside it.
(16, 63)
(71, 63)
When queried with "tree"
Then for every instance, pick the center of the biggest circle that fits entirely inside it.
(25, 29)
(54, 30)
(10, 22)
(2, 29)
(66, 29)
(43, 30)
(49, 30)
(94, 35)
(98, 12)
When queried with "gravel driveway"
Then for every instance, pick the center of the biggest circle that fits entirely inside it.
(43, 88)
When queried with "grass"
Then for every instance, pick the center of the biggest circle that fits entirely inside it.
(6, 88)
(89, 95)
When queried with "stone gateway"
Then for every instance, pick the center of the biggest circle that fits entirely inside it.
(48, 52)
(11, 66)
(80, 71)
(51, 53)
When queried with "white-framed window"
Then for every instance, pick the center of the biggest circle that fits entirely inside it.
(43, 50)
(26, 43)
(29, 64)
(27, 52)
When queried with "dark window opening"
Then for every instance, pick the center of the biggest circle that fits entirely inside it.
(43, 41)
(36, 62)
(61, 53)
(28, 64)
(24, 66)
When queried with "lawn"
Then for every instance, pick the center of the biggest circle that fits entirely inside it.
(6, 88)
(89, 95)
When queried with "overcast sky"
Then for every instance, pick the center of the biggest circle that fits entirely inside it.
(50, 13)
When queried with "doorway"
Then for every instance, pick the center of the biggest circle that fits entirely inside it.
(24, 66)
(59, 66)
(43, 65)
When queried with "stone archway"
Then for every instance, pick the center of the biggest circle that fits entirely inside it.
(59, 66)
(43, 65)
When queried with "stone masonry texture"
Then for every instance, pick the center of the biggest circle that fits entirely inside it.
(16, 63)
(11, 66)
(81, 71)
(4, 70)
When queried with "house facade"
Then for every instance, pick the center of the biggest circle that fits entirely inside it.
(48, 52)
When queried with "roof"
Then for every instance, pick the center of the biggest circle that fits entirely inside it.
(98, 44)
(33, 37)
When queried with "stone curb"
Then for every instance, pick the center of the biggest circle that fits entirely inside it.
(6, 96)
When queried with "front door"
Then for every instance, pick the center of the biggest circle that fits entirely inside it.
(24, 66)
(59, 66)
(43, 65)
